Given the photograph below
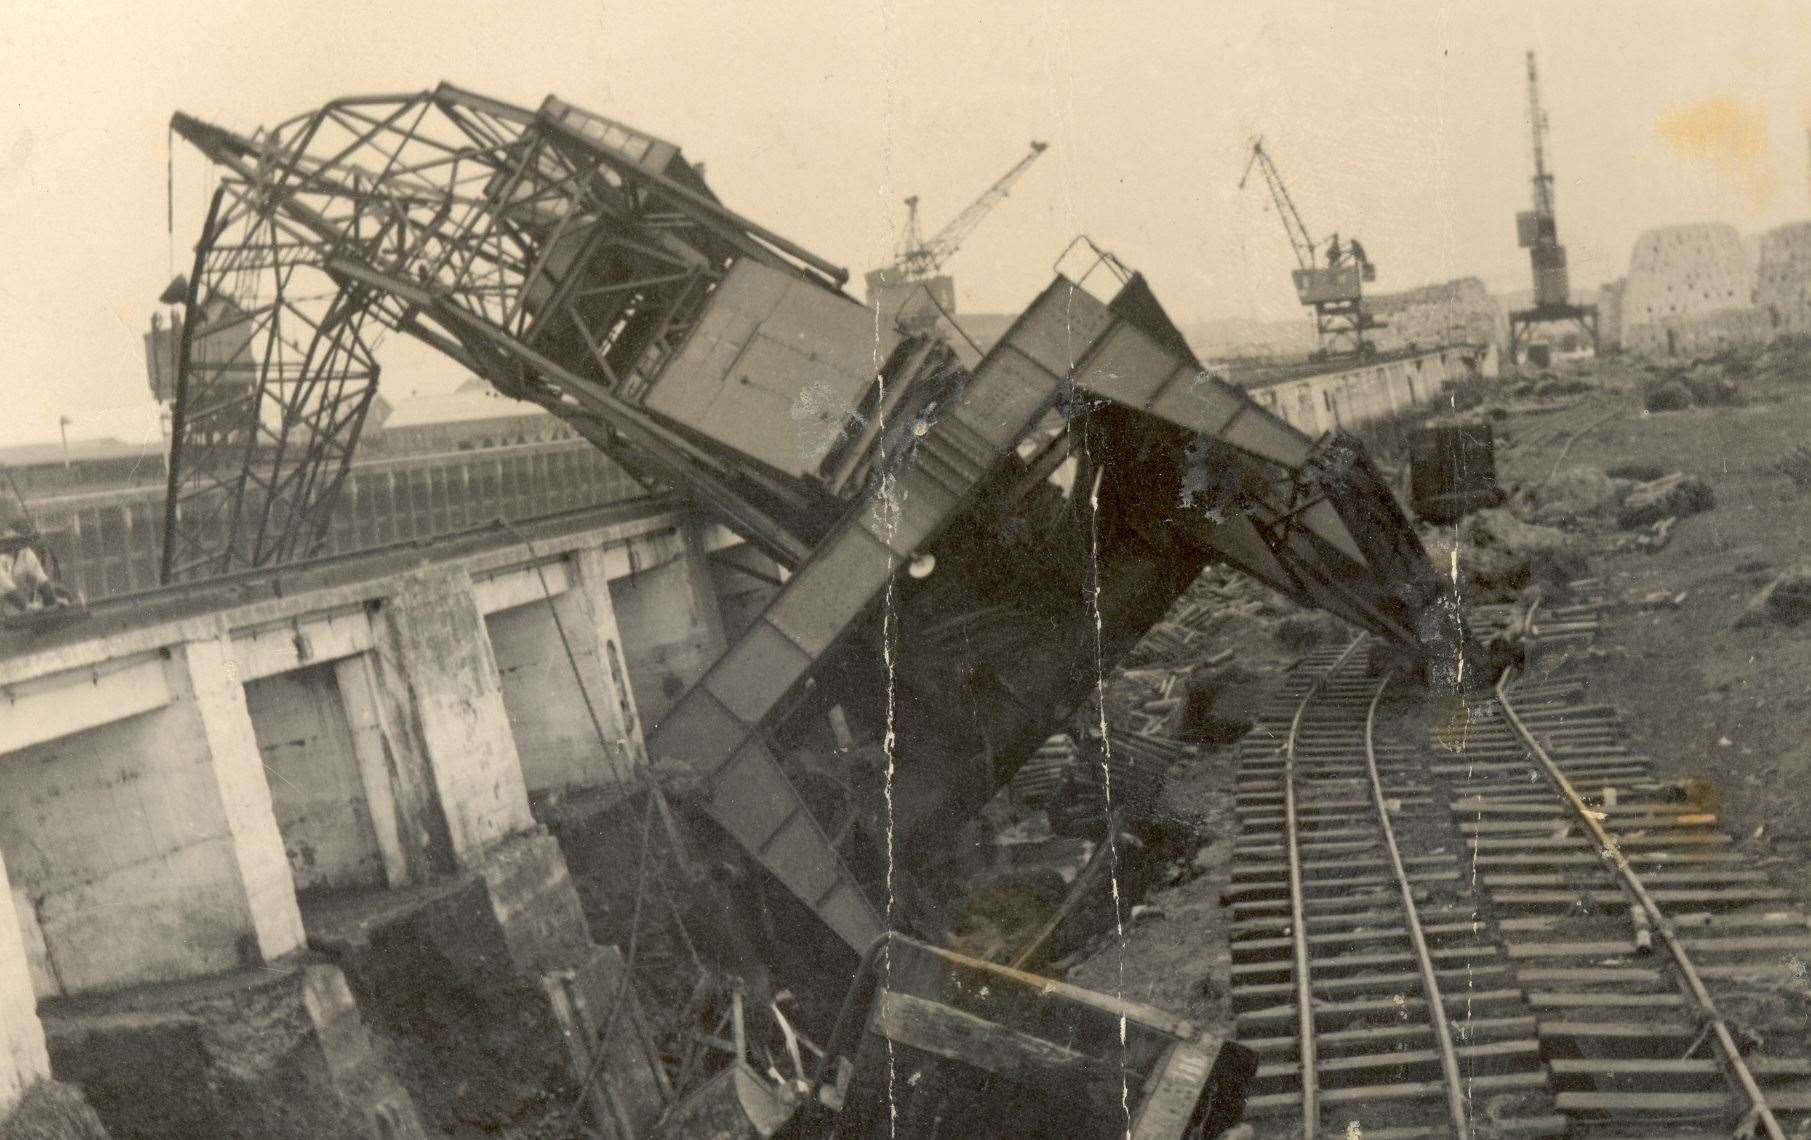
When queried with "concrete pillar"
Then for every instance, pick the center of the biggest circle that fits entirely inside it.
(147, 849)
(671, 624)
(377, 770)
(457, 778)
(589, 602)
(22, 1056)
(252, 834)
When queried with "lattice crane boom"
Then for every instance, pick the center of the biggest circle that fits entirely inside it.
(1285, 205)
(919, 258)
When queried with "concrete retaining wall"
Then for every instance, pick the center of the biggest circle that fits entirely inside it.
(23, 1059)
(1351, 397)
(148, 847)
(167, 788)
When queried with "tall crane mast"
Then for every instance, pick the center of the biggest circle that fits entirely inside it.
(918, 258)
(1537, 125)
(1334, 291)
(1537, 231)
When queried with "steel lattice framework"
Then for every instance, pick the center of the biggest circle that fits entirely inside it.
(557, 253)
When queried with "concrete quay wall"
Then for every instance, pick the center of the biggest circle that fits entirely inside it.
(177, 777)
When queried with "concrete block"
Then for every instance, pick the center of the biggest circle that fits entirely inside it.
(458, 970)
(22, 1056)
(266, 1054)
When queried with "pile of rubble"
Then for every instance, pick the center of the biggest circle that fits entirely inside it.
(1786, 600)
(1547, 385)
(1701, 384)
(1194, 680)
(1539, 539)
(1719, 380)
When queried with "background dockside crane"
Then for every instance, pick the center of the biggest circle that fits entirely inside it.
(1335, 291)
(913, 287)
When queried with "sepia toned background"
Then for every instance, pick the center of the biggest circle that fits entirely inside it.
(1405, 124)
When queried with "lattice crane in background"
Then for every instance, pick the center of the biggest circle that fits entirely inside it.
(1335, 291)
(904, 289)
(1537, 231)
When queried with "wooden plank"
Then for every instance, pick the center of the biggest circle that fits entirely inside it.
(1616, 1030)
(1619, 1103)
(1620, 948)
(1558, 1000)
(958, 1036)
(1287, 1013)
(1799, 942)
(1409, 1090)
(1588, 974)
(1611, 1066)
(1524, 1047)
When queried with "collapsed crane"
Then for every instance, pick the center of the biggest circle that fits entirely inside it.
(1334, 291)
(968, 548)
(1537, 231)
(912, 289)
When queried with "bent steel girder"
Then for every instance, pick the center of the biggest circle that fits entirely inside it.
(567, 239)
(275, 378)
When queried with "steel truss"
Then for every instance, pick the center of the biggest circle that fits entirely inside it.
(561, 255)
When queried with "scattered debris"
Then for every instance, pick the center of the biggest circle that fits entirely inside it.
(1499, 555)
(1570, 495)
(1671, 396)
(1652, 537)
(1677, 495)
(1706, 383)
(1797, 466)
(1785, 601)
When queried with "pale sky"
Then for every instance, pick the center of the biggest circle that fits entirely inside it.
(1406, 126)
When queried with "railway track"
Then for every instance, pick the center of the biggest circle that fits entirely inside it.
(1506, 926)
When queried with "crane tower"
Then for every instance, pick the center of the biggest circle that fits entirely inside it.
(912, 289)
(1537, 231)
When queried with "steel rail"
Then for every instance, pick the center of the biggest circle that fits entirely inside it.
(1734, 1065)
(1456, 1102)
(1304, 991)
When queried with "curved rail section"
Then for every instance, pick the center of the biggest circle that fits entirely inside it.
(1517, 928)
(1358, 972)
(1589, 859)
